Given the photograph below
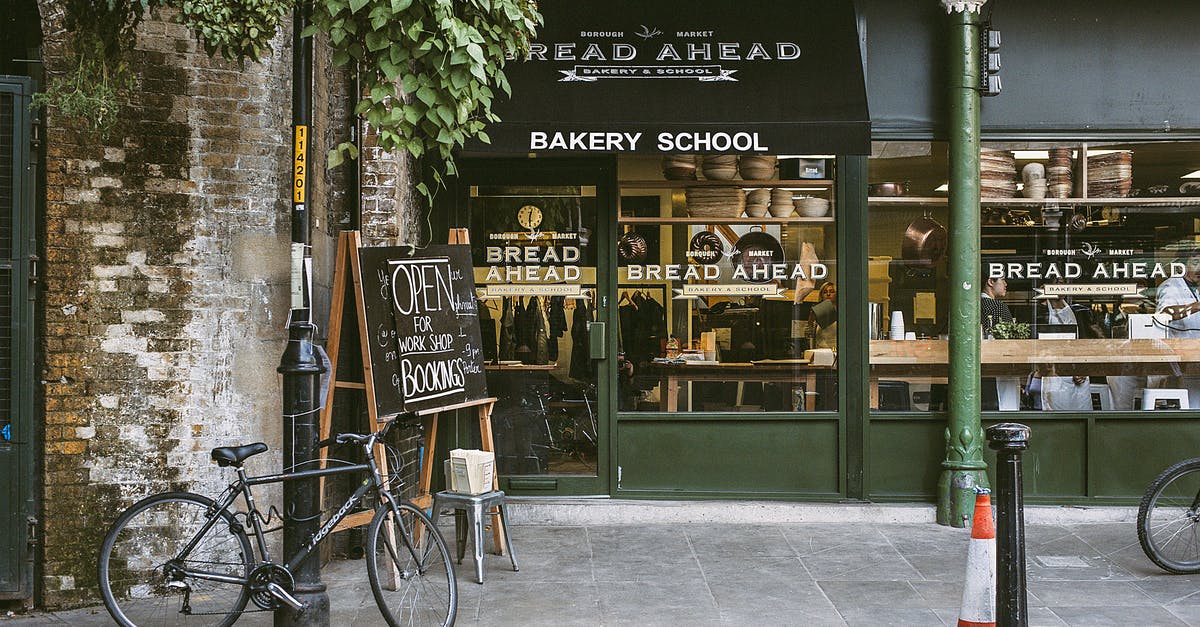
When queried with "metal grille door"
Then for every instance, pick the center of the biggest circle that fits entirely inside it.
(16, 339)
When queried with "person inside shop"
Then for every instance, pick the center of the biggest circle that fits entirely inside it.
(822, 330)
(1179, 297)
(992, 310)
(1054, 393)
(822, 320)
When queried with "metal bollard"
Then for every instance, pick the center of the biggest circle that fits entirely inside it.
(1012, 606)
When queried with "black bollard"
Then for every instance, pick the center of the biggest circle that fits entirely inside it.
(1012, 606)
(302, 510)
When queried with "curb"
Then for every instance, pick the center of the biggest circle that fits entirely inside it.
(557, 511)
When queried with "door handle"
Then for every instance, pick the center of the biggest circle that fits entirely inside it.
(597, 340)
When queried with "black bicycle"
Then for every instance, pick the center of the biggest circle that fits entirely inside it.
(1168, 523)
(179, 558)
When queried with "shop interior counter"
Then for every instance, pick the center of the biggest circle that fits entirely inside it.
(674, 375)
(1096, 357)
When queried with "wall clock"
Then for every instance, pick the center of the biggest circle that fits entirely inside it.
(529, 216)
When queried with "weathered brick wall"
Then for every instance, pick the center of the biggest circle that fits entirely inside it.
(166, 292)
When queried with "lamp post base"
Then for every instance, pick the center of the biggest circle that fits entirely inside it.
(956, 495)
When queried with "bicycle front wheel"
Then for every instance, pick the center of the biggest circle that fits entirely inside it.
(1168, 519)
(149, 577)
(409, 568)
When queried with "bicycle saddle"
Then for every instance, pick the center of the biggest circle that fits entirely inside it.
(235, 455)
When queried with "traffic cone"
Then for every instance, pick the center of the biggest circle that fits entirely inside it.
(979, 589)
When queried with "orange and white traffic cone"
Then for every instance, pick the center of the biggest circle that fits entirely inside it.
(979, 589)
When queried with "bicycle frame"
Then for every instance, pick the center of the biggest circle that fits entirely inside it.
(242, 486)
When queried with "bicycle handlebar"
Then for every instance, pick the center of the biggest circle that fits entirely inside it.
(359, 438)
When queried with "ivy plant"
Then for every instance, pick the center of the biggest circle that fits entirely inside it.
(101, 34)
(430, 69)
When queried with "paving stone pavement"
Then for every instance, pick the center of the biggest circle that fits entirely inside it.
(773, 574)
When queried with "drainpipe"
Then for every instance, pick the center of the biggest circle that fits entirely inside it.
(963, 467)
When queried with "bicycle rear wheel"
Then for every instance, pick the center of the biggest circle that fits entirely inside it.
(1168, 519)
(141, 571)
(409, 568)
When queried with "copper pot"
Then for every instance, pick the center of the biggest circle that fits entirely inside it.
(925, 241)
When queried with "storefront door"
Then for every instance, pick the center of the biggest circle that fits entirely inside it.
(540, 237)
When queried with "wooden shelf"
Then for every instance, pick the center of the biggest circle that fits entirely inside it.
(664, 184)
(1164, 201)
(691, 220)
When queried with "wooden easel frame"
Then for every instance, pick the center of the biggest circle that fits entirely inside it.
(347, 263)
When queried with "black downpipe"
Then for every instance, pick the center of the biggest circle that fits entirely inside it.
(299, 365)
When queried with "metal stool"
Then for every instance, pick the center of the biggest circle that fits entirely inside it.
(475, 506)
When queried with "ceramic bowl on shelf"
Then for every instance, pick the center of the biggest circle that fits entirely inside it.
(679, 167)
(719, 167)
(759, 196)
(757, 167)
(756, 210)
(812, 207)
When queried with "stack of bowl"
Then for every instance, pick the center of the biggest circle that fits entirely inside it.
(720, 167)
(757, 201)
(679, 167)
(1034, 176)
(1111, 175)
(997, 173)
(758, 167)
(715, 202)
(812, 207)
(1058, 173)
(781, 203)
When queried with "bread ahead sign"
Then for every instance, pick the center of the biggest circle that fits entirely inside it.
(630, 76)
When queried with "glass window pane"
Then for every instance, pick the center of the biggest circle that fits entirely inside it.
(1088, 302)
(718, 310)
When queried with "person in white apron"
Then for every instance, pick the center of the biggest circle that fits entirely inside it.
(1064, 393)
(1180, 297)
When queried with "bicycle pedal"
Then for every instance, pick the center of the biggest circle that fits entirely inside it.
(286, 597)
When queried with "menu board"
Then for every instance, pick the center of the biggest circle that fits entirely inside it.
(422, 319)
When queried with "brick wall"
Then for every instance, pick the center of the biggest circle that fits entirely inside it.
(166, 291)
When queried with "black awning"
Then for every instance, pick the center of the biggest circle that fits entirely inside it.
(644, 76)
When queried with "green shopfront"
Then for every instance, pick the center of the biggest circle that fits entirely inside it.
(696, 283)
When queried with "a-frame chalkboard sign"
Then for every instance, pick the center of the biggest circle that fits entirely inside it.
(419, 349)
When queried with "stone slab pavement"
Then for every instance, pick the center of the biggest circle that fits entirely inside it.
(865, 569)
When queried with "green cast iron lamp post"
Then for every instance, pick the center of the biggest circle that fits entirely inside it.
(963, 467)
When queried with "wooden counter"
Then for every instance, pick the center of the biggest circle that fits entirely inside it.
(797, 372)
(1063, 357)
(926, 361)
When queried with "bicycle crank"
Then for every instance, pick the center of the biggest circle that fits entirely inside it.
(271, 586)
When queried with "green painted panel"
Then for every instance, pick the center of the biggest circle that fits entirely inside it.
(904, 457)
(1128, 454)
(743, 456)
(1055, 463)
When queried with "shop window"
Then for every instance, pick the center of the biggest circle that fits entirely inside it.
(1089, 276)
(727, 286)
(535, 272)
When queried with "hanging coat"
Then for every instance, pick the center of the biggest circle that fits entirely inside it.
(581, 362)
(508, 339)
(487, 331)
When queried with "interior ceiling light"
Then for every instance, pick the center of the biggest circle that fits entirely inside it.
(1191, 175)
(1031, 154)
(1101, 151)
(944, 187)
